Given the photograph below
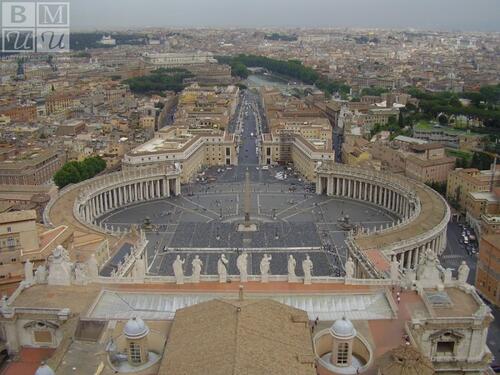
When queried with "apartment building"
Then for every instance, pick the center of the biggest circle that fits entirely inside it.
(31, 166)
(461, 182)
(18, 232)
(190, 149)
(26, 113)
(428, 163)
(422, 162)
(488, 266)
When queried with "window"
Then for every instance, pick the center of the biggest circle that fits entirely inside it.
(42, 336)
(445, 348)
(134, 352)
(343, 353)
(9, 229)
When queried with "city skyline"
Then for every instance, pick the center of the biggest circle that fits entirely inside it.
(263, 187)
(449, 15)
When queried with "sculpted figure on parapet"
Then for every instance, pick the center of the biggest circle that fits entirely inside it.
(178, 269)
(429, 270)
(242, 264)
(349, 268)
(463, 272)
(265, 267)
(292, 263)
(307, 267)
(196, 265)
(221, 268)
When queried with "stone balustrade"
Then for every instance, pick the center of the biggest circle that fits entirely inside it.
(236, 278)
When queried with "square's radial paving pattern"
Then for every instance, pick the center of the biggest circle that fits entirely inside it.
(290, 219)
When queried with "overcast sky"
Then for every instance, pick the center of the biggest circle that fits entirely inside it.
(467, 15)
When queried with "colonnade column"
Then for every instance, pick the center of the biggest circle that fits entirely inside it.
(177, 186)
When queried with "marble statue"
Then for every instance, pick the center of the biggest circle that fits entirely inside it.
(60, 268)
(421, 258)
(242, 264)
(41, 274)
(307, 267)
(178, 271)
(349, 268)
(196, 265)
(395, 269)
(410, 276)
(221, 268)
(139, 269)
(463, 272)
(5, 302)
(292, 263)
(61, 252)
(134, 230)
(28, 272)
(429, 270)
(80, 273)
(265, 267)
(92, 267)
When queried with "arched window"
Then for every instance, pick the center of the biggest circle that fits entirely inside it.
(343, 354)
(134, 352)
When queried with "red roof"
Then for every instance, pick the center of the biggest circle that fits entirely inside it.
(28, 362)
(378, 260)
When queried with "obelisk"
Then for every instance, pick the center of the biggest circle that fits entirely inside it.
(247, 225)
(248, 198)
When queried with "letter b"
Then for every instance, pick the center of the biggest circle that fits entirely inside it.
(18, 14)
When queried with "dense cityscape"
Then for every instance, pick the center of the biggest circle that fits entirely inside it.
(272, 200)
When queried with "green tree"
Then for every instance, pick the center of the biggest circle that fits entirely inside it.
(481, 160)
(73, 172)
(240, 70)
(440, 187)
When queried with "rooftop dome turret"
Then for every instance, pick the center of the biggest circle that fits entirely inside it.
(44, 369)
(343, 329)
(135, 328)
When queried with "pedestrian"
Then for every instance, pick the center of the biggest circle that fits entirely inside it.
(399, 300)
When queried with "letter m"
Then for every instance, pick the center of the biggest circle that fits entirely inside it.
(53, 14)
